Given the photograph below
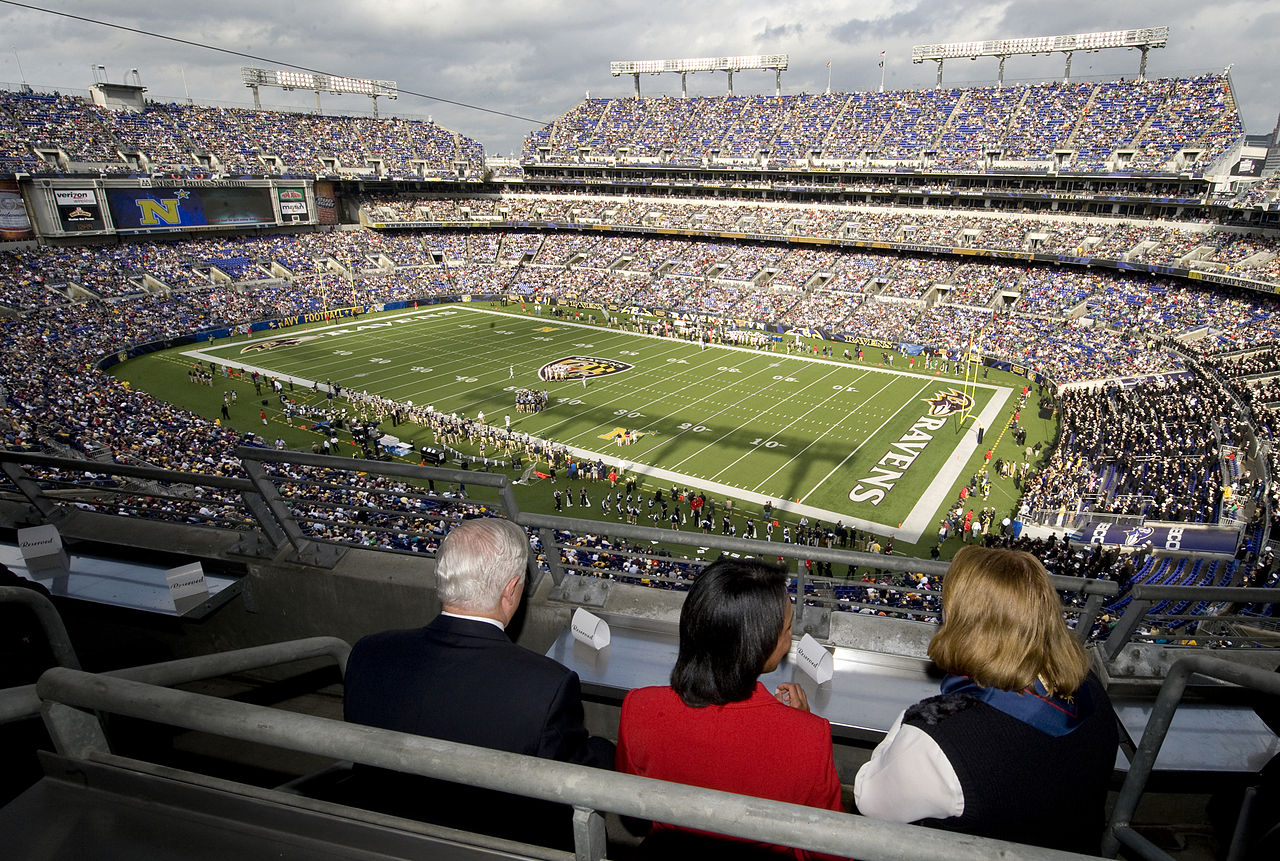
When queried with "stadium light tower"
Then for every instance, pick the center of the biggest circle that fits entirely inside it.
(287, 79)
(636, 68)
(1144, 39)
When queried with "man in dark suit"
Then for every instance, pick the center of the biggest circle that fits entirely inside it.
(462, 679)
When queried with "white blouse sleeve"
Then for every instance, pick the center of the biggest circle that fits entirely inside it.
(908, 778)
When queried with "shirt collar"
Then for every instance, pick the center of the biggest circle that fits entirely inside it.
(485, 619)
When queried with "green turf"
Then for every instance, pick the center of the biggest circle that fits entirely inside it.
(738, 422)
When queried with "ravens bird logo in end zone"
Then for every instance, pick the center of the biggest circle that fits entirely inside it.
(580, 368)
(271, 345)
(948, 403)
(1137, 535)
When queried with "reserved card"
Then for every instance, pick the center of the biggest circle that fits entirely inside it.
(590, 629)
(815, 660)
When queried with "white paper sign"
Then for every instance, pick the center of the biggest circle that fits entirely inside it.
(186, 582)
(589, 628)
(42, 551)
(815, 660)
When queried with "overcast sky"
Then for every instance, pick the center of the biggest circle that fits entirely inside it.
(538, 58)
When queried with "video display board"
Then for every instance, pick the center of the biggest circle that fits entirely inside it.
(78, 210)
(151, 209)
(326, 206)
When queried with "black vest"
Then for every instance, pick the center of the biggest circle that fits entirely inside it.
(1019, 783)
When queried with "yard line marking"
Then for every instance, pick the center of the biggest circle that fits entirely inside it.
(867, 439)
(759, 413)
(822, 436)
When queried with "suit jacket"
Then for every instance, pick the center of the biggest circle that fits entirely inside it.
(757, 746)
(465, 681)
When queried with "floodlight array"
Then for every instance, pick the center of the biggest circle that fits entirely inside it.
(292, 80)
(1144, 37)
(702, 64)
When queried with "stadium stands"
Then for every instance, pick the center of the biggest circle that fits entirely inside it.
(1160, 126)
(1165, 385)
(1043, 337)
(1247, 256)
(79, 137)
(1070, 324)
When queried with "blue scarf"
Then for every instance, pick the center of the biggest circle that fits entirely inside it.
(1051, 714)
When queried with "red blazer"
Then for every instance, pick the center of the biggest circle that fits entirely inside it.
(757, 746)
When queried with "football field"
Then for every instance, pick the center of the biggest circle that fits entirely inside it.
(826, 438)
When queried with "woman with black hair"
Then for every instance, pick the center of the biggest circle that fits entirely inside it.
(717, 726)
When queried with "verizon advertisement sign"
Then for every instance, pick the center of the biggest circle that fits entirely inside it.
(78, 210)
(75, 197)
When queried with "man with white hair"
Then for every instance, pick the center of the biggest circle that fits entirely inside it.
(462, 679)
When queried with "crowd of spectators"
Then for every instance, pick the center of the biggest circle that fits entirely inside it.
(1251, 256)
(196, 139)
(1130, 125)
(1153, 450)
(1073, 323)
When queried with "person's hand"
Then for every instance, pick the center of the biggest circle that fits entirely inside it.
(791, 694)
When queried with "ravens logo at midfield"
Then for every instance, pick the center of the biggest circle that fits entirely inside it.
(581, 367)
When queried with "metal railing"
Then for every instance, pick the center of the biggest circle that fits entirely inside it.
(1095, 591)
(278, 523)
(317, 551)
(55, 633)
(1076, 519)
(22, 701)
(1145, 596)
(71, 698)
(1119, 830)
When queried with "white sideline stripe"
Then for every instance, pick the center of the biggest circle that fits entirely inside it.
(922, 512)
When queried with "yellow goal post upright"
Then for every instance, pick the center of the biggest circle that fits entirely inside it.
(972, 363)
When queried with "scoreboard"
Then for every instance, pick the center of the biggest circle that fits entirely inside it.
(79, 207)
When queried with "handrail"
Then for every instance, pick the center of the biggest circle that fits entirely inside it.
(1105, 588)
(151, 473)
(1144, 760)
(1094, 590)
(399, 469)
(278, 526)
(68, 693)
(47, 615)
(23, 701)
(1239, 594)
(582, 526)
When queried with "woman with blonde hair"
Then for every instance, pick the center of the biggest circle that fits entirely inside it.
(1021, 744)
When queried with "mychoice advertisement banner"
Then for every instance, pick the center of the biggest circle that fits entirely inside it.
(78, 209)
(146, 209)
(293, 201)
(1188, 539)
